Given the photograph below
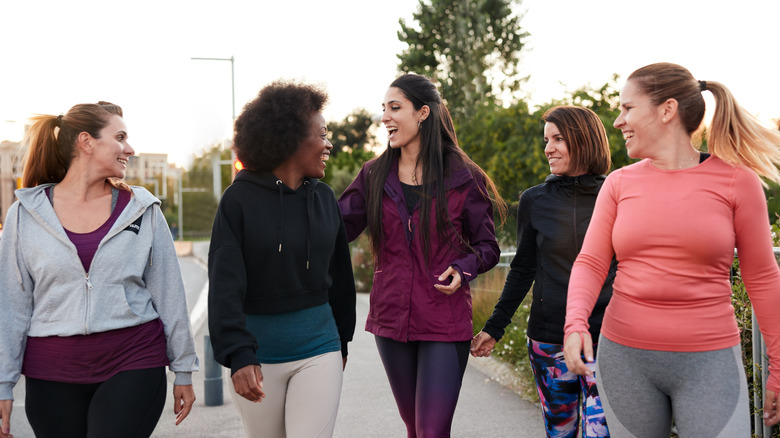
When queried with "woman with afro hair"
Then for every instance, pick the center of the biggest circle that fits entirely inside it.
(281, 290)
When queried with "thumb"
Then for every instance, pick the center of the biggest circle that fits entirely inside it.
(446, 273)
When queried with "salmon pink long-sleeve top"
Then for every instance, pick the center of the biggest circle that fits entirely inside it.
(674, 233)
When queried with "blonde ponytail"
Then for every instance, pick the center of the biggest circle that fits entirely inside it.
(737, 137)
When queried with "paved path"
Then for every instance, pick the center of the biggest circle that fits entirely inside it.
(485, 409)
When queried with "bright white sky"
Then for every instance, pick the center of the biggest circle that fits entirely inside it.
(54, 54)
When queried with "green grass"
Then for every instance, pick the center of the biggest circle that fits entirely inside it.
(485, 291)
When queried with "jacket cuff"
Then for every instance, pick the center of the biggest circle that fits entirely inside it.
(464, 279)
(344, 350)
(183, 379)
(6, 391)
(494, 332)
(241, 358)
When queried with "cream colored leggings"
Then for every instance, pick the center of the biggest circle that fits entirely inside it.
(301, 399)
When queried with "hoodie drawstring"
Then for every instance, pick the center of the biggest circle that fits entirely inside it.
(280, 231)
(308, 224)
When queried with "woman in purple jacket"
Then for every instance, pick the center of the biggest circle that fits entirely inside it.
(428, 210)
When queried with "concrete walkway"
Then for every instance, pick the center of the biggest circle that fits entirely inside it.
(367, 409)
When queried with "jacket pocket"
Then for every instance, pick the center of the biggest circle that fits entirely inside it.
(384, 301)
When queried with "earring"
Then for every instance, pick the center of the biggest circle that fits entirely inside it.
(419, 122)
(664, 120)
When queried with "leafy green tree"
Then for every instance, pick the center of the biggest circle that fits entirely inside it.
(470, 47)
(605, 101)
(507, 144)
(200, 207)
(352, 133)
(353, 142)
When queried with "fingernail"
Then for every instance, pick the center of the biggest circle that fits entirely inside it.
(589, 359)
(766, 414)
(440, 278)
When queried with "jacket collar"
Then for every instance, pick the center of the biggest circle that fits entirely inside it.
(459, 176)
(585, 181)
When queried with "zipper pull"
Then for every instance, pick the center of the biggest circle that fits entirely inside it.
(89, 284)
(410, 225)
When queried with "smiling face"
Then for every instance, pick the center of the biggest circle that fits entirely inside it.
(401, 119)
(639, 121)
(557, 152)
(111, 151)
(314, 151)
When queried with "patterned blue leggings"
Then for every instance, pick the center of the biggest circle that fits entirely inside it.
(562, 395)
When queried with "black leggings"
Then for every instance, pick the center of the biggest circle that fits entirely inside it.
(129, 404)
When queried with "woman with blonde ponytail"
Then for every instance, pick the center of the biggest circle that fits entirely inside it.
(93, 304)
(670, 345)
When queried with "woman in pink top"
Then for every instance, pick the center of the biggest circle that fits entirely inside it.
(670, 343)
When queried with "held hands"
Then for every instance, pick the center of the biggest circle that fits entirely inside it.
(576, 345)
(5, 417)
(454, 285)
(771, 414)
(183, 399)
(482, 344)
(248, 383)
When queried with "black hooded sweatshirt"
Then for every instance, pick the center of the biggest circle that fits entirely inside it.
(275, 250)
(552, 219)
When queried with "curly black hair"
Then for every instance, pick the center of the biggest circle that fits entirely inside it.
(270, 128)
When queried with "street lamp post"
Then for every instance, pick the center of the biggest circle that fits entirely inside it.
(217, 163)
(213, 380)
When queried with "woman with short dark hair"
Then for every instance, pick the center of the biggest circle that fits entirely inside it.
(551, 222)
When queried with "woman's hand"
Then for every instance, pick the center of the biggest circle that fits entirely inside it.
(248, 383)
(183, 399)
(771, 416)
(5, 417)
(575, 345)
(482, 345)
(454, 285)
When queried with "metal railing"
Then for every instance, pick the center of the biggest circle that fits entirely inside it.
(760, 361)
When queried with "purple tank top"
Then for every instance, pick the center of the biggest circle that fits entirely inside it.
(87, 243)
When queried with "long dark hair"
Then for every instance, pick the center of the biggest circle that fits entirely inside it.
(439, 156)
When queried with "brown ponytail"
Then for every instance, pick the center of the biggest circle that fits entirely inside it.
(51, 141)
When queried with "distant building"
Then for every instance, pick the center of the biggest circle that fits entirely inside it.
(151, 170)
(11, 154)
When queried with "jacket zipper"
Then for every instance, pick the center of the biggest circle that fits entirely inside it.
(576, 189)
(86, 310)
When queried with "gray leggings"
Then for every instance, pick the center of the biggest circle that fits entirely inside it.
(642, 390)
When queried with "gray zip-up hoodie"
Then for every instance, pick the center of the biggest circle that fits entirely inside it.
(44, 291)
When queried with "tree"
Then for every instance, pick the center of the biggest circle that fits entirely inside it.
(354, 143)
(200, 207)
(605, 101)
(470, 47)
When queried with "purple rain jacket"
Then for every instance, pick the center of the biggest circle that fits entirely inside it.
(404, 305)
